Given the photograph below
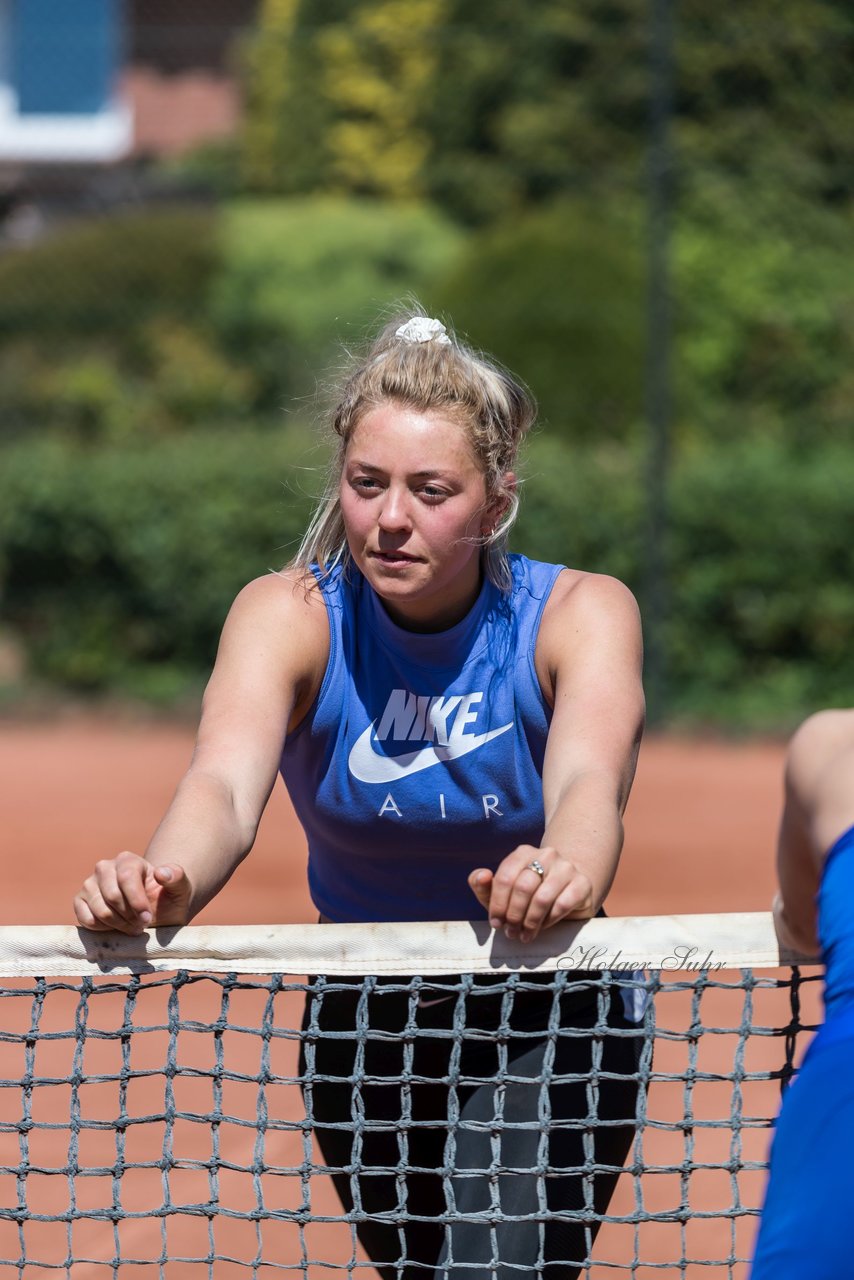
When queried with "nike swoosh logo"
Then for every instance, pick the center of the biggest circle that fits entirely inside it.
(366, 765)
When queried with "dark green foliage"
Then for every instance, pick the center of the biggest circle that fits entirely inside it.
(531, 103)
(764, 100)
(104, 330)
(211, 169)
(288, 115)
(765, 325)
(760, 626)
(559, 298)
(299, 277)
(165, 376)
(762, 558)
(529, 106)
(120, 563)
(144, 325)
(110, 274)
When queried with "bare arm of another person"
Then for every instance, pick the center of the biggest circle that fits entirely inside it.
(818, 808)
(589, 657)
(270, 662)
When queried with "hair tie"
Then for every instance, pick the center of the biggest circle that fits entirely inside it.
(423, 329)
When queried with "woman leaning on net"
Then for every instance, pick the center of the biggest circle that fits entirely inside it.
(805, 1228)
(458, 729)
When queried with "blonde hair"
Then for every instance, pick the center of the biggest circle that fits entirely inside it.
(436, 373)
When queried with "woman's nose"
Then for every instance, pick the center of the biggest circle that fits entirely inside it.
(394, 512)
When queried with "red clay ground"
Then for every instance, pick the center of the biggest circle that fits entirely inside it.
(701, 827)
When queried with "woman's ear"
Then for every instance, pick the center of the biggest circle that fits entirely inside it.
(493, 513)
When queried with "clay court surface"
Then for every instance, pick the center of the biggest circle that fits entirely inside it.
(700, 835)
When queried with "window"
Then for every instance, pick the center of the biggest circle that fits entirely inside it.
(59, 63)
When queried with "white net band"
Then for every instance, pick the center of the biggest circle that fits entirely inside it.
(671, 943)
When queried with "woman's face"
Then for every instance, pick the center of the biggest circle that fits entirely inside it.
(413, 499)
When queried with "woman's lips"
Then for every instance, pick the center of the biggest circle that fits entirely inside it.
(393, 557)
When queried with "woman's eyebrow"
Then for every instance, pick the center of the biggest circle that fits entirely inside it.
(363, 466)
(425, 473)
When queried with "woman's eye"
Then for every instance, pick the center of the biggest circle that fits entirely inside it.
(432, 493)
(366, 484)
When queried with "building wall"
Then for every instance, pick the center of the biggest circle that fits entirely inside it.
(174, 113)
(182, 77)
(178, 36)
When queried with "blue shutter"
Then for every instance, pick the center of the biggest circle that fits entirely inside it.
(64, 55)
(5, 38)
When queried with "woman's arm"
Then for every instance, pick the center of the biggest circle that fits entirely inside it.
(589, 653)
(818, 808)
(270, 662)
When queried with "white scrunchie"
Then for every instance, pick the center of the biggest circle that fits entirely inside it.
(423, 329)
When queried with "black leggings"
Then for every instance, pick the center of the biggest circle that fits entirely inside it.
(473, 1110)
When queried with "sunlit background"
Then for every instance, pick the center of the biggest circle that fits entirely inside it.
(645, 210)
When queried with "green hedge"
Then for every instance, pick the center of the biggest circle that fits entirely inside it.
(140, 325)
(297, 277)
(117, 565)
(108, 275)
(558, 295)
(760, 624)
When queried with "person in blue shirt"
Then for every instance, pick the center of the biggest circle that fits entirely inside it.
(805, 1228)
(458, 729)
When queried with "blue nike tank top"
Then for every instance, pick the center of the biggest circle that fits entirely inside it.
(835, 929)
(422, 755)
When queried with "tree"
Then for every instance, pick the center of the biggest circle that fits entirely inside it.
(336, 94)
(268, 66)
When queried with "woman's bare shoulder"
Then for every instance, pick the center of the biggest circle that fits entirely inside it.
(578, 595)
(821, 737)
(271, 659)
(820, 773)
(286, 591)
(589, 617)
(285, 613)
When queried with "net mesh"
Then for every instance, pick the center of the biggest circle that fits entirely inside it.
(194, 1123)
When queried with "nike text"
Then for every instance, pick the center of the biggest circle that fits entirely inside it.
(440, 722)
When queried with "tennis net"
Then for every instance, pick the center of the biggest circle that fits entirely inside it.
(244, 1101)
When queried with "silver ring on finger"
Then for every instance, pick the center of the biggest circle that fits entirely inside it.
(536, 865)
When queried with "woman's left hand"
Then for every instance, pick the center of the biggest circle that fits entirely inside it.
(521, 901)
(588, 659)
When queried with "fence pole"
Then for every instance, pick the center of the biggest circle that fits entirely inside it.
(658, 342)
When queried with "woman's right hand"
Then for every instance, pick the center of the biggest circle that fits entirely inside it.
(270, 664)
(129, 894)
